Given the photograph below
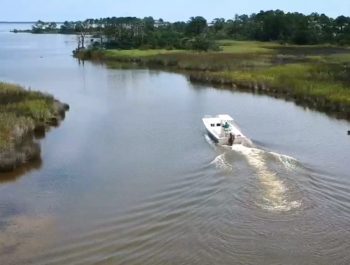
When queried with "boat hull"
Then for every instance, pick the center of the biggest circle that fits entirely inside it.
(220, 132)
(216, 139)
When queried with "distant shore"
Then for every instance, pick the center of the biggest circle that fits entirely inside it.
(25, 116)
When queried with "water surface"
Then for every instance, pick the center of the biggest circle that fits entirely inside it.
(130, 176)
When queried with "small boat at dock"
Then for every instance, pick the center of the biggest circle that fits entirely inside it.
(223, 130)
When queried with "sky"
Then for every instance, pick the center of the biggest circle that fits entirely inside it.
(176, 10)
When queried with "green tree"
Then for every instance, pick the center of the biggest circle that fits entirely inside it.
(196, 26)
(39, 27)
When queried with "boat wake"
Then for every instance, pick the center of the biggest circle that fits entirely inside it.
(274, 189)
(272, 171)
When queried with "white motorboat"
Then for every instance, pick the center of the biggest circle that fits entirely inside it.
(223, 130)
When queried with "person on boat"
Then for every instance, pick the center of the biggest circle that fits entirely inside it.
(231, 139)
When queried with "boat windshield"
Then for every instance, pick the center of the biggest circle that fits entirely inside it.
(229, 123)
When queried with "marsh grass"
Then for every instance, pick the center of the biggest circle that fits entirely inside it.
(139, 53)
(246, 47)
(299, 79)
(319, 75)
(20, 111)
(196, 61)
(339, 58)
(12, 128)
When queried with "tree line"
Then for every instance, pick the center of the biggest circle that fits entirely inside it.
(199, 34)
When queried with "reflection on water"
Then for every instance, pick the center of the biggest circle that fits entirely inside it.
(128, 177)
(19, 172)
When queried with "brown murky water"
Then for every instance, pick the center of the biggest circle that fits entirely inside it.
(130, 176)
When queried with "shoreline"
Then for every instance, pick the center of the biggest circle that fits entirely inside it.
(25, 118)
(295, 79)
(320, 104)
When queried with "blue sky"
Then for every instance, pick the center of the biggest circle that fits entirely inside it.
(59, 10)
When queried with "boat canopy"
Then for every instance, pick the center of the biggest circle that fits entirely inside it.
(225, 117)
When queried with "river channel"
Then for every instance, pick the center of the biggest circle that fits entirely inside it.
(130, 176)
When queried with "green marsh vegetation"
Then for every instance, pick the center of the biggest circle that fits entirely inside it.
(22, 114)
(300, 57)
(317, 76)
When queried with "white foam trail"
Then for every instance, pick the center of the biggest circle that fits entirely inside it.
(288, 161)
(221, 163)
(274, 189)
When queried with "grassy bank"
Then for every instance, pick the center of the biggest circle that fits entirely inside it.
(23, 115)
(315, 76)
